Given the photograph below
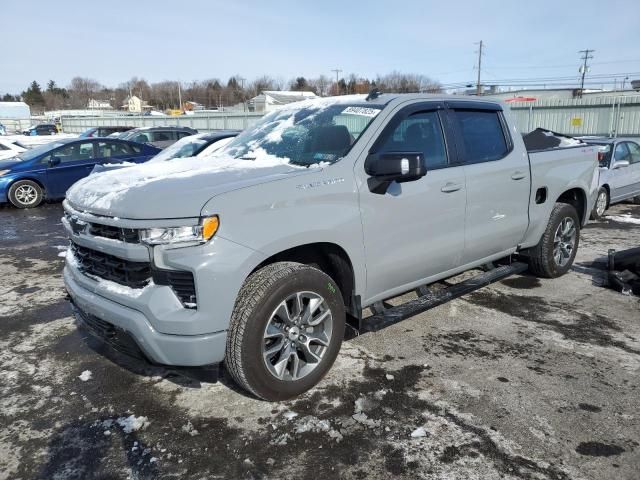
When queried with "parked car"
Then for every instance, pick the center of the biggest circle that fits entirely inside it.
(199, 145)
(49, 170)
(3, 129)
(103, 131)
(10, 149)
(41, 129)
(160, 137)
(257, 255)
(619, 161)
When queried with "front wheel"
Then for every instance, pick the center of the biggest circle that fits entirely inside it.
(25, 194)
(555, 253)
(602, 202)
(286, 330)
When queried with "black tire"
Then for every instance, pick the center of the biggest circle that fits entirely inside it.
(259, 297)
(594, 213)
(636, 200)
(17, 198)
(541, 257)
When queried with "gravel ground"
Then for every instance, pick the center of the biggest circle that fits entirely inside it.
(524, 379)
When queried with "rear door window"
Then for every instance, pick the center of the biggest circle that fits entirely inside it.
(482, 134)
(634, 151)
(114, 150)
(163, 136)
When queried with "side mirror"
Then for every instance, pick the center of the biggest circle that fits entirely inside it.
(621, 164)
(385, 168)
(53, 161)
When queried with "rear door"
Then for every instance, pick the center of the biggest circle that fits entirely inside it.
(620, 179)
(70, 163)
(416, 229)
(498, 180)
(634, 151)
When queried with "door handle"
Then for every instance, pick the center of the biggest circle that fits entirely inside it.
(518, 175)
(451, 187)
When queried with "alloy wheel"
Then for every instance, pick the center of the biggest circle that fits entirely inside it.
(297, 336)
(564, 241)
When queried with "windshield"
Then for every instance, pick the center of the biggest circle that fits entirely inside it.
(37, 151)
(306, 135)
(185, 147)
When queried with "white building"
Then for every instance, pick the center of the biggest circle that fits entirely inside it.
(136, 105)
(270, 100)
(15, 110)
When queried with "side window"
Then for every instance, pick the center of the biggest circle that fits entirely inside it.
(482, 134)
(621, 152)
(634, 150)
(141, 138)
(3, 147)
(184, 134)
(419, 132)
(163, 136)
(75, 152)
(113, 149)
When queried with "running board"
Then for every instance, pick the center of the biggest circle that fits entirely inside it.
(430, 299)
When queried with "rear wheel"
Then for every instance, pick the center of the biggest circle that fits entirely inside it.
(25, 194)
(555, 253)
(286, 330)
(602, 203)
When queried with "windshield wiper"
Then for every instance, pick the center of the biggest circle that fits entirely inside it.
(246, 158)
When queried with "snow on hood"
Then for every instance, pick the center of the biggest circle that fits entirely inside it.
(176, 189)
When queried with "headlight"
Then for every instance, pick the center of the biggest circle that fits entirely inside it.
(195, 234)
(4, 172)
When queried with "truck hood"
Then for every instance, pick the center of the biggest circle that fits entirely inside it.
(174, 189)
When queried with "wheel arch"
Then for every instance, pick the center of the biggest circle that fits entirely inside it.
(329, 257)
(577, 198)
(31, 178)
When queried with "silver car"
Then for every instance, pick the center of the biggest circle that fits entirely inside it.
(619, 160)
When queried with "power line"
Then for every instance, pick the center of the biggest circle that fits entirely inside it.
(586, 56)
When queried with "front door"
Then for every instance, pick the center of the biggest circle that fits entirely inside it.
(498, 181)
(416, 229)
(634, 167)
(67, 165)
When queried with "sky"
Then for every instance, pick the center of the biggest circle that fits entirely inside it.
(114, 40)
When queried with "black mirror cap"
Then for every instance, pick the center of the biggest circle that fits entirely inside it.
(385, 168)
(53, 161)
(402, 166)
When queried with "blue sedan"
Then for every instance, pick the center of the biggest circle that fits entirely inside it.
(49, 170)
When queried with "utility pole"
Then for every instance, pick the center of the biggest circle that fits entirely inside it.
(241, 80)
(586, 55)
(338, 72)
(478, 85)
(180, 97)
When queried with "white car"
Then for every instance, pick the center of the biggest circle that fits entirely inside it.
(10, 149)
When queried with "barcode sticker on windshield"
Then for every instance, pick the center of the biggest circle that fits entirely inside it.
(367, 112)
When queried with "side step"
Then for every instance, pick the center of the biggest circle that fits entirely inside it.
(430, 299)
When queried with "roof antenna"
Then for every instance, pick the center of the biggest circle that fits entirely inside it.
(373, 94)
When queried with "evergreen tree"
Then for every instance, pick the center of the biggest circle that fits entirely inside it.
(33, 95)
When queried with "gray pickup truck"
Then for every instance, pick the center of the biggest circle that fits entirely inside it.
(257, 256)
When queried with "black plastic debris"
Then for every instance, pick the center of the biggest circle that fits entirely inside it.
(623, 271)
(543, 139)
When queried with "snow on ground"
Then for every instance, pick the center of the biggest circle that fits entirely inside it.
(85, 376)
(625, 218)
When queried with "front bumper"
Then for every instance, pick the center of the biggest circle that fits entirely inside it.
(183, 350)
